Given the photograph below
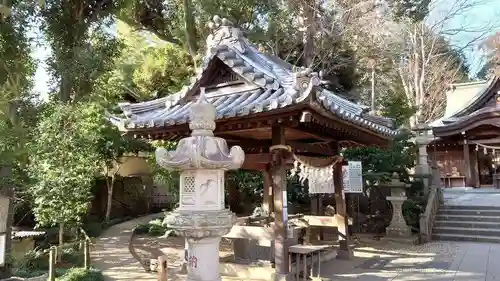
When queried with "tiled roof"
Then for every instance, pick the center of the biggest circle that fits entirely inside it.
(277, 85)
(465, 99)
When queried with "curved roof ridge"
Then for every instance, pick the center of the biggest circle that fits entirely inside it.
(455, 109)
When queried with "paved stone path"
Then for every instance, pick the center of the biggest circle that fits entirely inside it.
(472, 197)
(436, 261)
(111, 253)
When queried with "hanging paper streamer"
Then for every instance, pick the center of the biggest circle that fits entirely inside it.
(485, 146)
(319, 172)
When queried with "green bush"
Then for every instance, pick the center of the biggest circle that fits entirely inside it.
(156, 230)
(93, 229)
(36, 261)
(30, 273)
(33, 260)
(81, 274)
(141, 229)
(27, 273)
(412, 208)
(72, 256)
(153, 228)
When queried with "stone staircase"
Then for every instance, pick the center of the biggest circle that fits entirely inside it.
(467, 223)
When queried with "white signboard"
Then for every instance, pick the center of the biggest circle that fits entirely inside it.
(352, 176)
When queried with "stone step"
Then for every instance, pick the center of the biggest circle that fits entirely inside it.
(462, 237)
(440, 217)
(466, 224)
(479, 212)
(462, 207)
(467, 231)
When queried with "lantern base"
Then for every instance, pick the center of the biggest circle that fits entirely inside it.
(201, 224)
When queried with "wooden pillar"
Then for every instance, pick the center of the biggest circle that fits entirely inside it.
(475, 168)
(315, 212)
(344, 251)
(52, 263)
(467, 163)
(321, 212)
(278, 181)
(86, 254)
(267, 200)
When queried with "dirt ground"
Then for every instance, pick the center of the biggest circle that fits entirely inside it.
(145, 248)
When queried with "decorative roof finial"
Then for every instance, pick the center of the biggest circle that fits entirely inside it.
(223, 32)
(202, 116)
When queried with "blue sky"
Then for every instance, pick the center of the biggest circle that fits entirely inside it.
(481, 15)
(478, 16)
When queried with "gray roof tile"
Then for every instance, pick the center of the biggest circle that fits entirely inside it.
(279, 85)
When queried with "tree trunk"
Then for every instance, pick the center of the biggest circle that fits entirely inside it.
(308, 37)
(61, 241)
(109, 203)
(65, 89)
(190, 26)
(373, 89)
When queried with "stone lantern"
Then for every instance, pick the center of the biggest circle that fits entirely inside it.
(201, 217)
(423, 138)
(398, 225)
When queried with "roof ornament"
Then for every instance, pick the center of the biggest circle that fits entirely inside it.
(223, 32)
(305, 79)
(202, 116)
(202, 150)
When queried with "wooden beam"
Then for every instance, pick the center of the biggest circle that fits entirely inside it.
(488, 141)
(357, 132)
(298, 147)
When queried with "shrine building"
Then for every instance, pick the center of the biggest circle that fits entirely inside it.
(466, 143)
(271, 109)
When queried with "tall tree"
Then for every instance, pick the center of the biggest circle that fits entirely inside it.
(82, 48)
(16, 71)
(149, 67)
(492, 49)
(112, 147)
(63, 161)
(426, 62)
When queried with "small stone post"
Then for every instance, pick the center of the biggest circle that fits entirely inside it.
(398, 225)
(86, 254)
(162, 268)
(52, 263)
(202, 217)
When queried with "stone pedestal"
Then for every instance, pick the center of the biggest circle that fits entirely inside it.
(201, 217)
(398, 225)
(201, 262)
